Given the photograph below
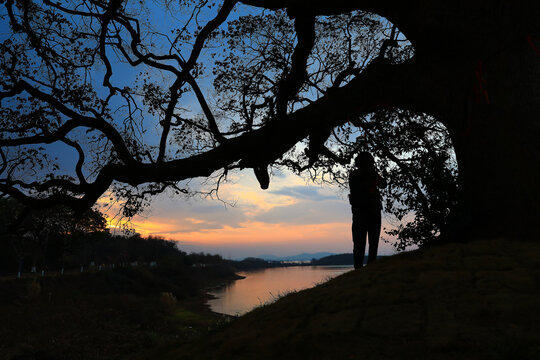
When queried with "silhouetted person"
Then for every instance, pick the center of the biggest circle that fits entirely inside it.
(366, 206)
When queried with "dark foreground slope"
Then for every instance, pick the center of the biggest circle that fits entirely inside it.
(109, 314)
(460, 301)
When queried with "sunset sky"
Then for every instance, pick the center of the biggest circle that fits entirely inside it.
(291, 217)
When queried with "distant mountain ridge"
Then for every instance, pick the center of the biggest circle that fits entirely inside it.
(299, 257)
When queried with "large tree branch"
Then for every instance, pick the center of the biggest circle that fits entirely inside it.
(79, 204)
(380, 85)
(304, 26)
(431, 25)
(317, 7)
(45, 186)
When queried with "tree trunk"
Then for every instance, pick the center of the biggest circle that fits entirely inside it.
(497, 143)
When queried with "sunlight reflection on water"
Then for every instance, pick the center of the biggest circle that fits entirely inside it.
(267, 285)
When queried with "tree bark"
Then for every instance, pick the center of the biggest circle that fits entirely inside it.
(496, 138)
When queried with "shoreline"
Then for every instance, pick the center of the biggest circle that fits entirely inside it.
(207, 296)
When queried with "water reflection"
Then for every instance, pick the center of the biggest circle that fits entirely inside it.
(267, 285)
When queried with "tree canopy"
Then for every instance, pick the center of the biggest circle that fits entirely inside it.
(150, 95)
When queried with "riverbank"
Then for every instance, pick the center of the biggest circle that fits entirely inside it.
(108, 314)
(476, 300)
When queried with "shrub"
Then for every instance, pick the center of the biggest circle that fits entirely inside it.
(168, 302)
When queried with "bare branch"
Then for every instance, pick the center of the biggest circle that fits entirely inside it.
(80, 162)
(114, 6)
(213, 24)
(212, 124)
(289, 86)
(77, 120)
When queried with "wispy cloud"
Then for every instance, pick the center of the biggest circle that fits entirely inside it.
(304, 192)
(307, 212)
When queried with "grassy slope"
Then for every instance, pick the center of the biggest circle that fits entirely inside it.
(459, 301)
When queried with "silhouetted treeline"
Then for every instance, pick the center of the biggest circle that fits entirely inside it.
(58, 239)
(251, 263)
(99, 249)
(257, 263)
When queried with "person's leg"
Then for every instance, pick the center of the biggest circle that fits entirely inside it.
(359, 233)
(374, 232)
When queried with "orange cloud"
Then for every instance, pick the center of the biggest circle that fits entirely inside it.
(259, 232)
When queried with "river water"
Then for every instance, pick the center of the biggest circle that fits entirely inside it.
(264, 286)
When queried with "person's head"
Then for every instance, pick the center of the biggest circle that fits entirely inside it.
(364, 160)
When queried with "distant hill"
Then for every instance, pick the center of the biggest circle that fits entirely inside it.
(299, 257)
